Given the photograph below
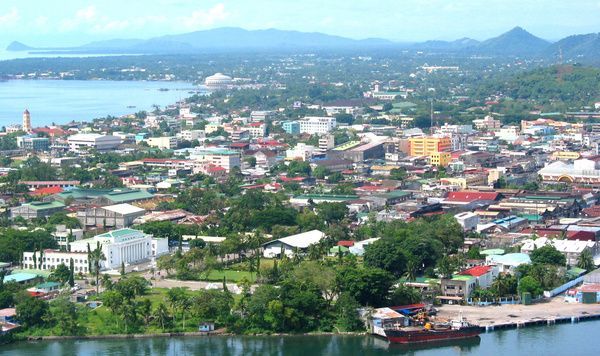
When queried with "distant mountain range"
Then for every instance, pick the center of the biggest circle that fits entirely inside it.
(516, 42)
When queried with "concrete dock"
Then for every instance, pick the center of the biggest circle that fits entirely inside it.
(555, 311)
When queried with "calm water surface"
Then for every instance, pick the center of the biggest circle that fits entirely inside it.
(61, 101)
(565, 339)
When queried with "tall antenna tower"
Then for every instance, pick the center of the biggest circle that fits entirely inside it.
(431, 125)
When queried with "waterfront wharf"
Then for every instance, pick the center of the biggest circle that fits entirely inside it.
(553, 311)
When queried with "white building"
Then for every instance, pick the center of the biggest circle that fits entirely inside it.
(487, 123)
(292, 244)
(154, 121)
(83, 142)
(123, 246)
(191, 135)
(50, 259)
(467, 220)
(125, 137)
(317, 125)
(163, 142)
(447, 129)
(219, 157)
(571, 249)
(256, 129)
(302, 152)
(326, 142)
(62, 234)
(508, 133)
(218, 81)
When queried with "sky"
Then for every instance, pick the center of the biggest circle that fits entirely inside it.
(75, 22)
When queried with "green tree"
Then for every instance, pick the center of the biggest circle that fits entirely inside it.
(64, 314)
(32, 312)
(548, 254)
(332, 212)
(369, 286)
(71, 273)
(586, 260)
(95, 258)
(445, 268)
(61, 274)
(162, 316)
(347, 317)
(529, 284)
(403, 295)
(386, 254)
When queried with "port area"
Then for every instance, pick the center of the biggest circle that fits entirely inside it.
(553, 311)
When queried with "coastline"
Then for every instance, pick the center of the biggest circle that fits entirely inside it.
(180, 334)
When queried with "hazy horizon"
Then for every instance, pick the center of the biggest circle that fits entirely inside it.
(74, 23)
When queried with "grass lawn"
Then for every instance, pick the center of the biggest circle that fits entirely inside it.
(231, 276)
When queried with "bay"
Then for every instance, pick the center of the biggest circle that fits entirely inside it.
(61, 101)
(564, 339)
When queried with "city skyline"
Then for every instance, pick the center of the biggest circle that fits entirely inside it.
(75, 22)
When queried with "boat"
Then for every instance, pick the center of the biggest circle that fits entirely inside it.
(433, 332)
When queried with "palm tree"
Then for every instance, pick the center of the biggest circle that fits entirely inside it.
(161, 315)
(95, 257)
(107, 282)
(411, 269)
(586, 260)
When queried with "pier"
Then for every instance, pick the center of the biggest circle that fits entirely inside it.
(554, 311)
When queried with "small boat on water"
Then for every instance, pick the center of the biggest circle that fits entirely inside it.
(432, 332)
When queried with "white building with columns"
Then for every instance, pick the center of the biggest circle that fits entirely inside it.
(123, 246)
(118, 246)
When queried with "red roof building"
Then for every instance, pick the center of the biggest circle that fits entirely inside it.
(46, 191)
(592, 211)
(476, 271)
(581, 235)
(346, 243)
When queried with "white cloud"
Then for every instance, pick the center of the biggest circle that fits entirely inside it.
(205, 18)
(110, 26)
(86, 14)
(10, 19)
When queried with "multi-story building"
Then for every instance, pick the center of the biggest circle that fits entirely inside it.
(98, 142)
(50, 259)
(426, 145)
(440, 159)
(219, 157)
(317, 125)
(447, 129)
(191, 135)
(487, 123)
(119, 246)
(33, 143)
(326, 142)
(256, 129)
(302, 152)
(164, 142)
(291, 127)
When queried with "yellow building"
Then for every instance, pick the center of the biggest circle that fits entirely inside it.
(425, 146)
(565, 155)
(470, 180)
(440, 159)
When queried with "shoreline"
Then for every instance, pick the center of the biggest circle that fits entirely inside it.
(181, 334)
